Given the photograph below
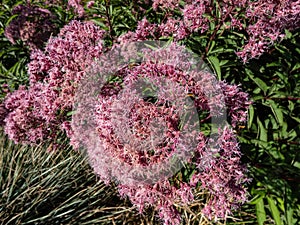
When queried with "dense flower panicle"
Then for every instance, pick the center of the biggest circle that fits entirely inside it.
(165, 4)
(24, 123)
(194, 15)
(54, 76)
(77, 6)
(137, 132)
(65, 59)
(33, 25)
(174, 27)
(225, 177)
(162, 195)
(144, 31)
(3, 113)
(268, 21)
(237, 103)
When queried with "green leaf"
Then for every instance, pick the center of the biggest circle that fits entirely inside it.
(276, 111)
(260, 212)
(274, 211)
(288, 34)
(257, 198)
(215, 63)
(250, 115)
(263, 134)
(289, 215)
(261, 84)
(296, 67)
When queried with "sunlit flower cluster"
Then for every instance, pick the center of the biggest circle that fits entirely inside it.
(41, 109)
(134, 134)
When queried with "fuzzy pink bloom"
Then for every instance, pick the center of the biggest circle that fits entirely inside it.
(223, 176)
(144, 31)
(41, 110)
(24, 122)
(77, 6)
(3, 113)
(268, 21)
(65, 59)
(135, 134)
(194, 15)
(237, 103)
(33, 25)
(174, 27)
(165, 4)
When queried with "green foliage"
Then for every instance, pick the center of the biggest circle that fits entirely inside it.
(13, 58)
(271, 138)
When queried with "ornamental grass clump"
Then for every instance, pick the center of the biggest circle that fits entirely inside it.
(57, 187)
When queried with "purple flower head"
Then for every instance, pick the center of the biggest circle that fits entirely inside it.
(165, 4)
(24, 122)
(139, 119)
(33, 25)
(3, 113)
(38, 112)
(194, 15)
(268, 20)
(76, 5)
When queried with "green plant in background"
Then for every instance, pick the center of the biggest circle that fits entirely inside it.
(273, 136)
(13, 58)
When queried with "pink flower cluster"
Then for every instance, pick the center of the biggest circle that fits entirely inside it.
(3, 113)
(41, 110)
(222, 174)
(268, 20)
(24, 121)
(195, 17)
(77, 6)
(33, 25)
(237, 102)
(137, 133)
(165, 4)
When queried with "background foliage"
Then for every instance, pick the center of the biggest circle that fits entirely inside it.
(38, 187)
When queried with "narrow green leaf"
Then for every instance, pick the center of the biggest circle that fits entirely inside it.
(274, 211)
(289, 215)
(215, 63)
(250, 115)
(261, 84)
(296, 67)
(260, 212)
(276, 111)
(257, 198)
(263, 135)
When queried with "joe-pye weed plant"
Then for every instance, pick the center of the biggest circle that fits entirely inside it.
(37, 112)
